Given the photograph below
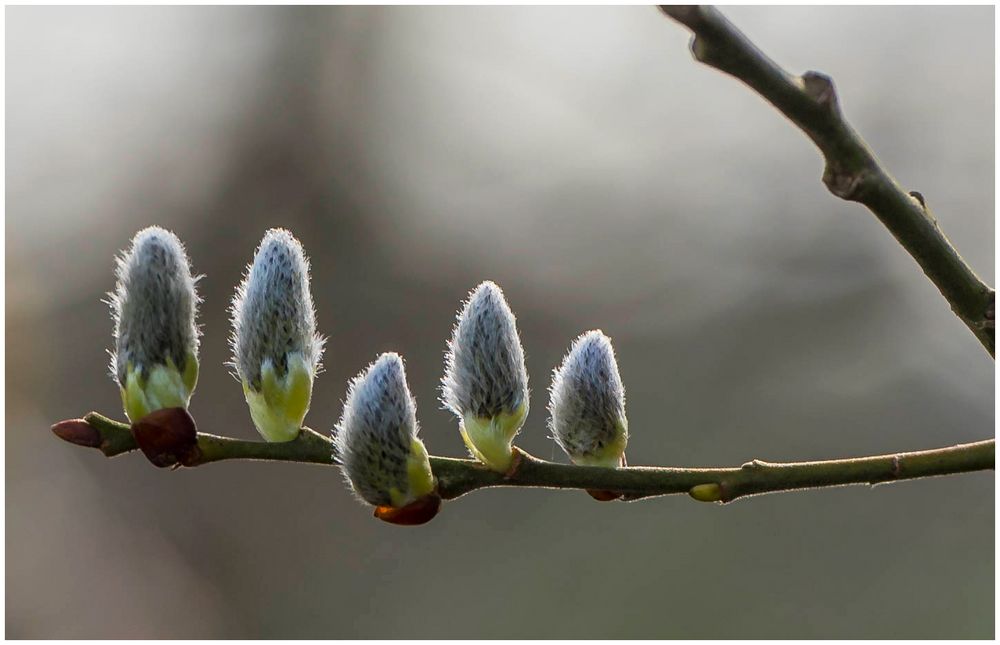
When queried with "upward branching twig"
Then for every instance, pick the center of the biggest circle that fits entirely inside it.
(169, 437)
(852, 171)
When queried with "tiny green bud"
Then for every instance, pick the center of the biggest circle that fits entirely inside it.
(385, 463)
(276, 350)
(587, 404)
(706, 492)
(154, 305)
(485, 382)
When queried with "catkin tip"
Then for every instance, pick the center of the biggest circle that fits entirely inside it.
(485, 373)
(587, 403)
(154, 308)
(273, 315)
(376, 437)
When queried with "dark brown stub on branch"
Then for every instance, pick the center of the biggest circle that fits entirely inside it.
(603, 495)
(608, 495)
(79, 432)
(419, 512)
(167, 437)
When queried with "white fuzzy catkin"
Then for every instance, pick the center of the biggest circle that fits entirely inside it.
(587, 398)
(154, 305)
(484, 366)
(375, 434)
(272, 312)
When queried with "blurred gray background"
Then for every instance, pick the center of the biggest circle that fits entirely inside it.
(580, 158)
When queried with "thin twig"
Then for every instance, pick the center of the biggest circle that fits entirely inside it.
(852, 171)
(456, 477)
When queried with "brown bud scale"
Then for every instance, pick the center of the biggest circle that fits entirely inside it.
(168, 437)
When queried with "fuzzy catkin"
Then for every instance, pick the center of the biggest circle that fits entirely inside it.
(154, 305)
(272, 312)
(587, 397)
(484, 365)
(376, 430)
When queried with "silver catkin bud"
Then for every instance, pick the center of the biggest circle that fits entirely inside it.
(587, 403)
(272, 312)
(484, 365)
(154, 306)
(376, 438)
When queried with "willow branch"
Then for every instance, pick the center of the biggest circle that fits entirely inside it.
(852, 172)
(456, 477)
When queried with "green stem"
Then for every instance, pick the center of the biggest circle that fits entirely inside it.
(457, 477)
(852, 171)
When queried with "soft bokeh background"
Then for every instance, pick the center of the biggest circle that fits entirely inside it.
(581, 159)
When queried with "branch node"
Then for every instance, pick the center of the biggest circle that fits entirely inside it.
(897, 467)
(701, 51)
(515, 463)
(726, 493)
(819, 87)
(845, 184)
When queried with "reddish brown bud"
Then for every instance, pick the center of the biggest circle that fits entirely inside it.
(168, 437)
(604, 495)
(79, 432)
(419, 512)
(607, 495)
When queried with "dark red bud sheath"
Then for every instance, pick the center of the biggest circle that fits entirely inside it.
(79, 432)
(604, 495)
(168, 437)
(419, 512)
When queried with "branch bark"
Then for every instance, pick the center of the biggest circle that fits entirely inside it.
(852, 171)
(456, 477)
